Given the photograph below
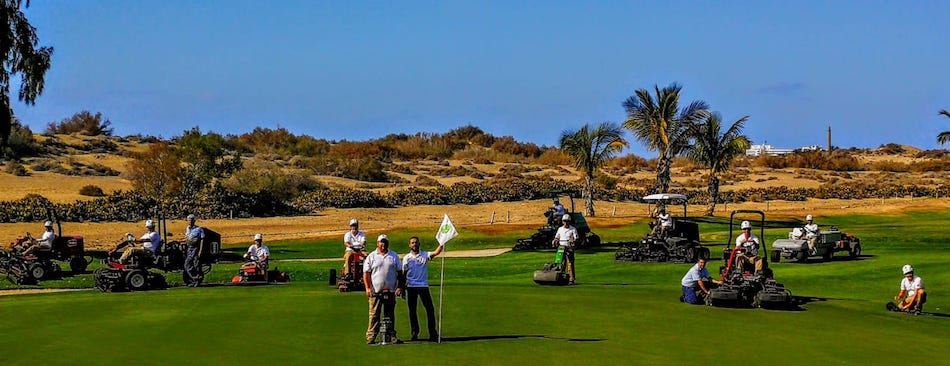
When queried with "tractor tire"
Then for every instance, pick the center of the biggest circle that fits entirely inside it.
(803, 256)
(136, 280)
(828, 255)
(855, 251)
(332, 281)
(776, 256)
(691, 255)
(593, 240)
(704, 253)
(78, 265)
(37, 271)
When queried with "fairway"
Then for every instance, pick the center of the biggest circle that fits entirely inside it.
(620, 313)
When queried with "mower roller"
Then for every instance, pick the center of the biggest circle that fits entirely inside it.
(554, 274)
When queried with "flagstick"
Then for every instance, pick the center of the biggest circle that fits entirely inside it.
(441, 292)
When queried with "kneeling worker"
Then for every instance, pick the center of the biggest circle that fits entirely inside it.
(697, 278)
(912, 296)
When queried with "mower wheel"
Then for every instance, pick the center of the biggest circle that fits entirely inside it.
(776, 256)
(803, 256)
(136, 280)
(78, 265)
(593, 240)
(332, 281)
(855, 251)
(37, 271)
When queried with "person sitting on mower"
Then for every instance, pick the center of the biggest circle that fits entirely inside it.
(665, 221)
(258, 252)
(355, 241)
(748, 246)
(697, 278)
(44, 243)
(810, 233)
(558, 208)
(151, 243)
(566, 236)
(912, 296)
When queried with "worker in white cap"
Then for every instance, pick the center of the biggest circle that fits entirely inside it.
(355, 241)
(258, 252)
(566, 236)
(810, 233)
(382, 274)
(45, 242)
(151, 243)
(912, 296)
(748, 246)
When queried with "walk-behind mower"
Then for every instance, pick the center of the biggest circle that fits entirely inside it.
(554, 274)
(741, 284)
(542, 239)
(353, 279)
(678, 243)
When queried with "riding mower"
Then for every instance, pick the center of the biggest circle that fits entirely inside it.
(678, 243)
(545, 234)
(554, 274)
(255, 272)
(131, 276)
(353, 280)
(741, 284)
(28, 269)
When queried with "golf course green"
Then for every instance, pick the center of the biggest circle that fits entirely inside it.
(618, 314)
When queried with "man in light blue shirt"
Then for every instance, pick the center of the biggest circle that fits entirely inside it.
(696, 278)
(416, 265)
(194, 239)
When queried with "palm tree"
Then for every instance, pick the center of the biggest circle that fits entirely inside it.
(661, 126)
(19, 55)
(591, 149)
(944, 136)
(715, 150)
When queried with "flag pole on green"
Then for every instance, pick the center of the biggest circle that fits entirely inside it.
(446, 232)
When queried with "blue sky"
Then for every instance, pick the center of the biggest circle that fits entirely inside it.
(875, 71)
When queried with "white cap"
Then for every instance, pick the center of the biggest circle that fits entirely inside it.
(382, 237)
(567, 217)
(48, 224)
(808, 218)
(149, 223)
(258, 237)
(907, 269)
(191, 217)
(354, 222)
(745, 225)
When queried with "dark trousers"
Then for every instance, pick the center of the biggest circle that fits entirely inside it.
(423, 293)
(193, 265)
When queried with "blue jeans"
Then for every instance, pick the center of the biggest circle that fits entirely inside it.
(689, 295)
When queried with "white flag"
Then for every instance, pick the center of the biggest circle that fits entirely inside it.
(446, 231)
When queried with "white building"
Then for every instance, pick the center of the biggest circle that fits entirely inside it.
(766, 149)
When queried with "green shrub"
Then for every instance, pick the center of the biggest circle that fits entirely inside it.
(16, 169)
(83, 123)
(92, 191)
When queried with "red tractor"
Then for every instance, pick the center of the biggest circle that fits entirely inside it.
(353, 280)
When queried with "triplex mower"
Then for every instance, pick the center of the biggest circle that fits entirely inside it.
(542, 239)
(741, 284)
(131, 276)
(353, 280)
(255, 272)
(678, 243)
(28, 269)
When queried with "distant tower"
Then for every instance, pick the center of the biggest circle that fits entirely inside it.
(829, 139)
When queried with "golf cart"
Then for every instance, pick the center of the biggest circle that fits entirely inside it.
(827, 243)
(741, 284)
(543, 238)
(677, 243)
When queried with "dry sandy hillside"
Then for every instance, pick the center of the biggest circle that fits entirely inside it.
(508, 216)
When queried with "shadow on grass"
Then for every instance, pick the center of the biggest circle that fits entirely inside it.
(517, 336)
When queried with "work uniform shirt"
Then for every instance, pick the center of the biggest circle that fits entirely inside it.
(259, 251)
(811, 230)
(559, 210)
(912, 286)
(694, 275)
(154, 242)
(748, 245)
(358, 239)
(417, 269)
(194, 234)
(666, 220)
(382, 269)
(46, 241)
(566, 235)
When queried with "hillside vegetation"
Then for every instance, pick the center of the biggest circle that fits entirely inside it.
(93, 176)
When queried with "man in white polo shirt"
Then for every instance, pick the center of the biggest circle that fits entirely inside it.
(416, 265)
(382, 271)
(565, 236)
(912, 296)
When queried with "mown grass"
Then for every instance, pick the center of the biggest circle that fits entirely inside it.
(620, 313)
